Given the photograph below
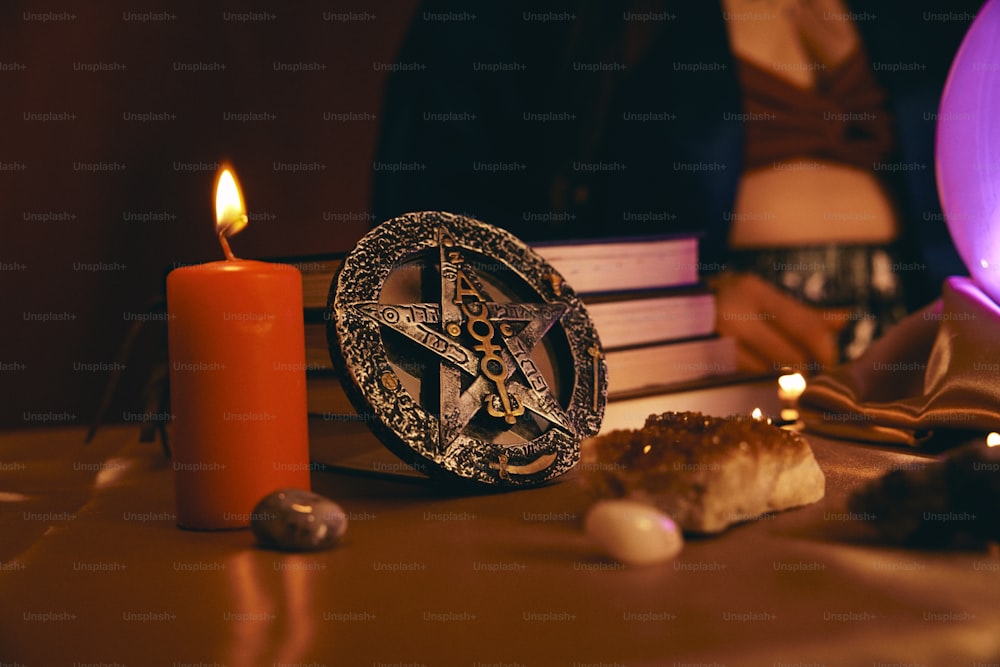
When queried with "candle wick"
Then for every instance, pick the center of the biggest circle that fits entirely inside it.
(225, 246)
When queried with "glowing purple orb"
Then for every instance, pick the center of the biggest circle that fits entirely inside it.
(968, 150)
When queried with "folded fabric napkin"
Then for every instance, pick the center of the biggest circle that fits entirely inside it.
(935, 372)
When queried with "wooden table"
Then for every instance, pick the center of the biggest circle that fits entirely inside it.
(94, 571)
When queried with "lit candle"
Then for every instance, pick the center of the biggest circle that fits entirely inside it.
(237, 379)
(790, 387)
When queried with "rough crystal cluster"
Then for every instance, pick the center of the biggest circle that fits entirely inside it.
(707, 473)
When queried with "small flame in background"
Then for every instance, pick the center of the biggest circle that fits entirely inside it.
(792, 385)
(230, 212)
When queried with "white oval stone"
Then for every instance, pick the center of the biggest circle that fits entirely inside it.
(632, 532)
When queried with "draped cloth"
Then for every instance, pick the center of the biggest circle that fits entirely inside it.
(936, 371)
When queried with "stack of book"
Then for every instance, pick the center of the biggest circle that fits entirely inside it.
(655, 319)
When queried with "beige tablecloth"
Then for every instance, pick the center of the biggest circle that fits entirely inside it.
(93, 570)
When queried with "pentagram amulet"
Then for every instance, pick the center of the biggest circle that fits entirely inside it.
(467, 354)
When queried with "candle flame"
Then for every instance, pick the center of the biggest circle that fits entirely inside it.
(789, 415)
(230, 213)
(757, 414)
(993, 439)
(793, 383)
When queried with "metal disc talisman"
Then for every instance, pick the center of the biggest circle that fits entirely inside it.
(466, 353)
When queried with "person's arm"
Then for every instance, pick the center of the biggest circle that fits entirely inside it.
(772, 329)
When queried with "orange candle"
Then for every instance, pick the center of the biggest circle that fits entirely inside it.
(237, 379)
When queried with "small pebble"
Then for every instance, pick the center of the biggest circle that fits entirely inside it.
(297, 520)
(632, 532)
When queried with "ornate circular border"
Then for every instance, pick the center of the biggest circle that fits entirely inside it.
(398, 420)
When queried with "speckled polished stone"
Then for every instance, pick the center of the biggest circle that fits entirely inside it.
(297, 520)
(632, 532)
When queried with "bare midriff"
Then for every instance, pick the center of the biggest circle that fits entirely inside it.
(801, 202)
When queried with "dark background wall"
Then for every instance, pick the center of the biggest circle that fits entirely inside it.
(109, 137)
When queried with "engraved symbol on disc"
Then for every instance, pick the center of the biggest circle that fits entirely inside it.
(473, 362)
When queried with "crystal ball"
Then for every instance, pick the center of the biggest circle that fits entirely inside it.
(968, 150)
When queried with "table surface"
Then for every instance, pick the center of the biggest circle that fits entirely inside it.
(93, 570)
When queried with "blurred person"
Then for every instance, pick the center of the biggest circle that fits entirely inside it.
(795, 136)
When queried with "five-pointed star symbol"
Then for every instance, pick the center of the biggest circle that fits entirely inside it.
(437, 328)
